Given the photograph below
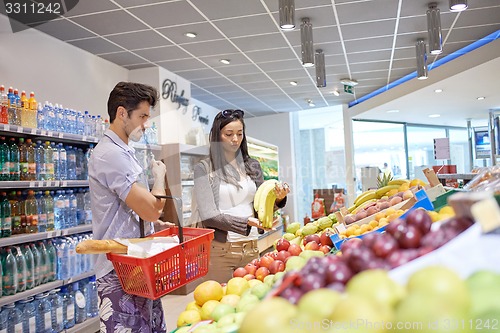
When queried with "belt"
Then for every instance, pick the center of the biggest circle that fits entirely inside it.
(238, 245)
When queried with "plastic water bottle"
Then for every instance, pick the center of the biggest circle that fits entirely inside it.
(62, 259)
(15, 323)
(21, 269)
(28, 314)
(39, 160)
(48, 201)
(3, 320)
(80, 123)
(23, 160)
(73, 268)
(56, 159)
(43, 315)
(40, 116)
(68, 307)
(80, 304)
(59, 211)
(56, 310)
(30, 157)
(80, 207)
(4, 160)
(30, 266)
(80, 161)
(5, 216)
(63, 162)
(51, 260)
(72, 210)
(88, 154)
(92, 306)
(42, 213)
(87, 207)
(49, 161)
(9, 269)
(37, 260)
(71, 157)
(15, 213)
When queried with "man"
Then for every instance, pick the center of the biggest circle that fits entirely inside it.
(119, 200)
(386, 170)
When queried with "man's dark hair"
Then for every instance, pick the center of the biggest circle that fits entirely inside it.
(130, 95)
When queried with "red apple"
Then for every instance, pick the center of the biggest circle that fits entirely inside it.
(312, 245)
(325, 239)
(294, 249)
(255, 262)
(325, 249)
(249, 277)
(282, 244)
(283, 255)
(265, 261)
(311, 238)
(250, 268)
(277, 266)
(273, 254)
(261, 273)
(240, 272)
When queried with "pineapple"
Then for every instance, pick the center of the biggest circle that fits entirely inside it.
(383, 180)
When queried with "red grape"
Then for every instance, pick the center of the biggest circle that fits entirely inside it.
(420, 219)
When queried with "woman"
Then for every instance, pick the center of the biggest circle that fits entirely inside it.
(225, 185)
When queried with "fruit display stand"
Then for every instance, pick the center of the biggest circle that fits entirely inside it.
(267, 239)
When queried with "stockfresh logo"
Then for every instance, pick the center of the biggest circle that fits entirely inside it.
(24, 14)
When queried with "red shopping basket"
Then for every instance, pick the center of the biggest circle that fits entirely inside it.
(158, 275)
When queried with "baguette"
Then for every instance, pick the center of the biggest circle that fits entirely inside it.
(93, 246)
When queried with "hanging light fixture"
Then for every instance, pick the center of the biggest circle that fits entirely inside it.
(306, 43)
(287, 14)
(434, 29)
(458, 5)
(421, 60)
(319, 60)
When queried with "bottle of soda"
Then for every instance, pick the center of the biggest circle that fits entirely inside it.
(52, 260)
(4, 159)
(37, 259)
(4, 106)
(15, 171)
(49, 209)
(15, 213)
(22, 276)
(6, 216)
(25, 109)
(11, 107)
(44, 260)
(31, 213)
(9, 270)
(33, 110)
(30, 157)
(30, 266)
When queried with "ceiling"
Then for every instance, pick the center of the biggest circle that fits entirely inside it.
(371, 41)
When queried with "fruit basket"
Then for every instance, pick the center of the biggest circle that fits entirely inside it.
(156, 276)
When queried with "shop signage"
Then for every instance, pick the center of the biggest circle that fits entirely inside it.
(442, 149)
(348, 89)
(169, 91)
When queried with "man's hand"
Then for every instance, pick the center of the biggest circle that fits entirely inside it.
(160, 225)
(158, 169)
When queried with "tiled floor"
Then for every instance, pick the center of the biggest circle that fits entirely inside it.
(173, 305)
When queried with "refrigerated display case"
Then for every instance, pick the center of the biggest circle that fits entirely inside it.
(266, 154)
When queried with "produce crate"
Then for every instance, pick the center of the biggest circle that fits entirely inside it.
(158, 275)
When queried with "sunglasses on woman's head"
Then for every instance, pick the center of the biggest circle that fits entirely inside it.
(232, 113)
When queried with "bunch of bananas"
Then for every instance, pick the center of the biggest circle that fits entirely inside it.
(263, 202)
(370, 196)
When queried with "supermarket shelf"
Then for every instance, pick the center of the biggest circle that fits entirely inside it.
(43, 288)
(13, 129)
(43, 184)
(465, 176)
(145, 146)
(26, 238)
(91, 325)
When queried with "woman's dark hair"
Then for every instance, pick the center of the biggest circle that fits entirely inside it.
(219, 164)
(130, 95)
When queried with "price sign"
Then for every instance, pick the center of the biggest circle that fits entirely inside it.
(442, 149)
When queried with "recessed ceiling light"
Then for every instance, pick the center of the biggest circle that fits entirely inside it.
(293, 83)
(310, 102)
(434, 115)
(437, 91)
(225, 61)
(190, 34)
(336, 93)
(393, 111)
(480, 98)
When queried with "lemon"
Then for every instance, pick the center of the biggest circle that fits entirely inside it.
(448, 210)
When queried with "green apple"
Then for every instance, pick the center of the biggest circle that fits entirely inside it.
(376, 285)
(261, 290)
(269, 280)
(221, 310)
(247, 302)
(442, 282)
(271, 315)
(230, 318)
(294, 263)
(319, 303)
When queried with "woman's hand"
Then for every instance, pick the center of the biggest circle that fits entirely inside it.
(254, 222)
(160, 225)
(282, 190)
